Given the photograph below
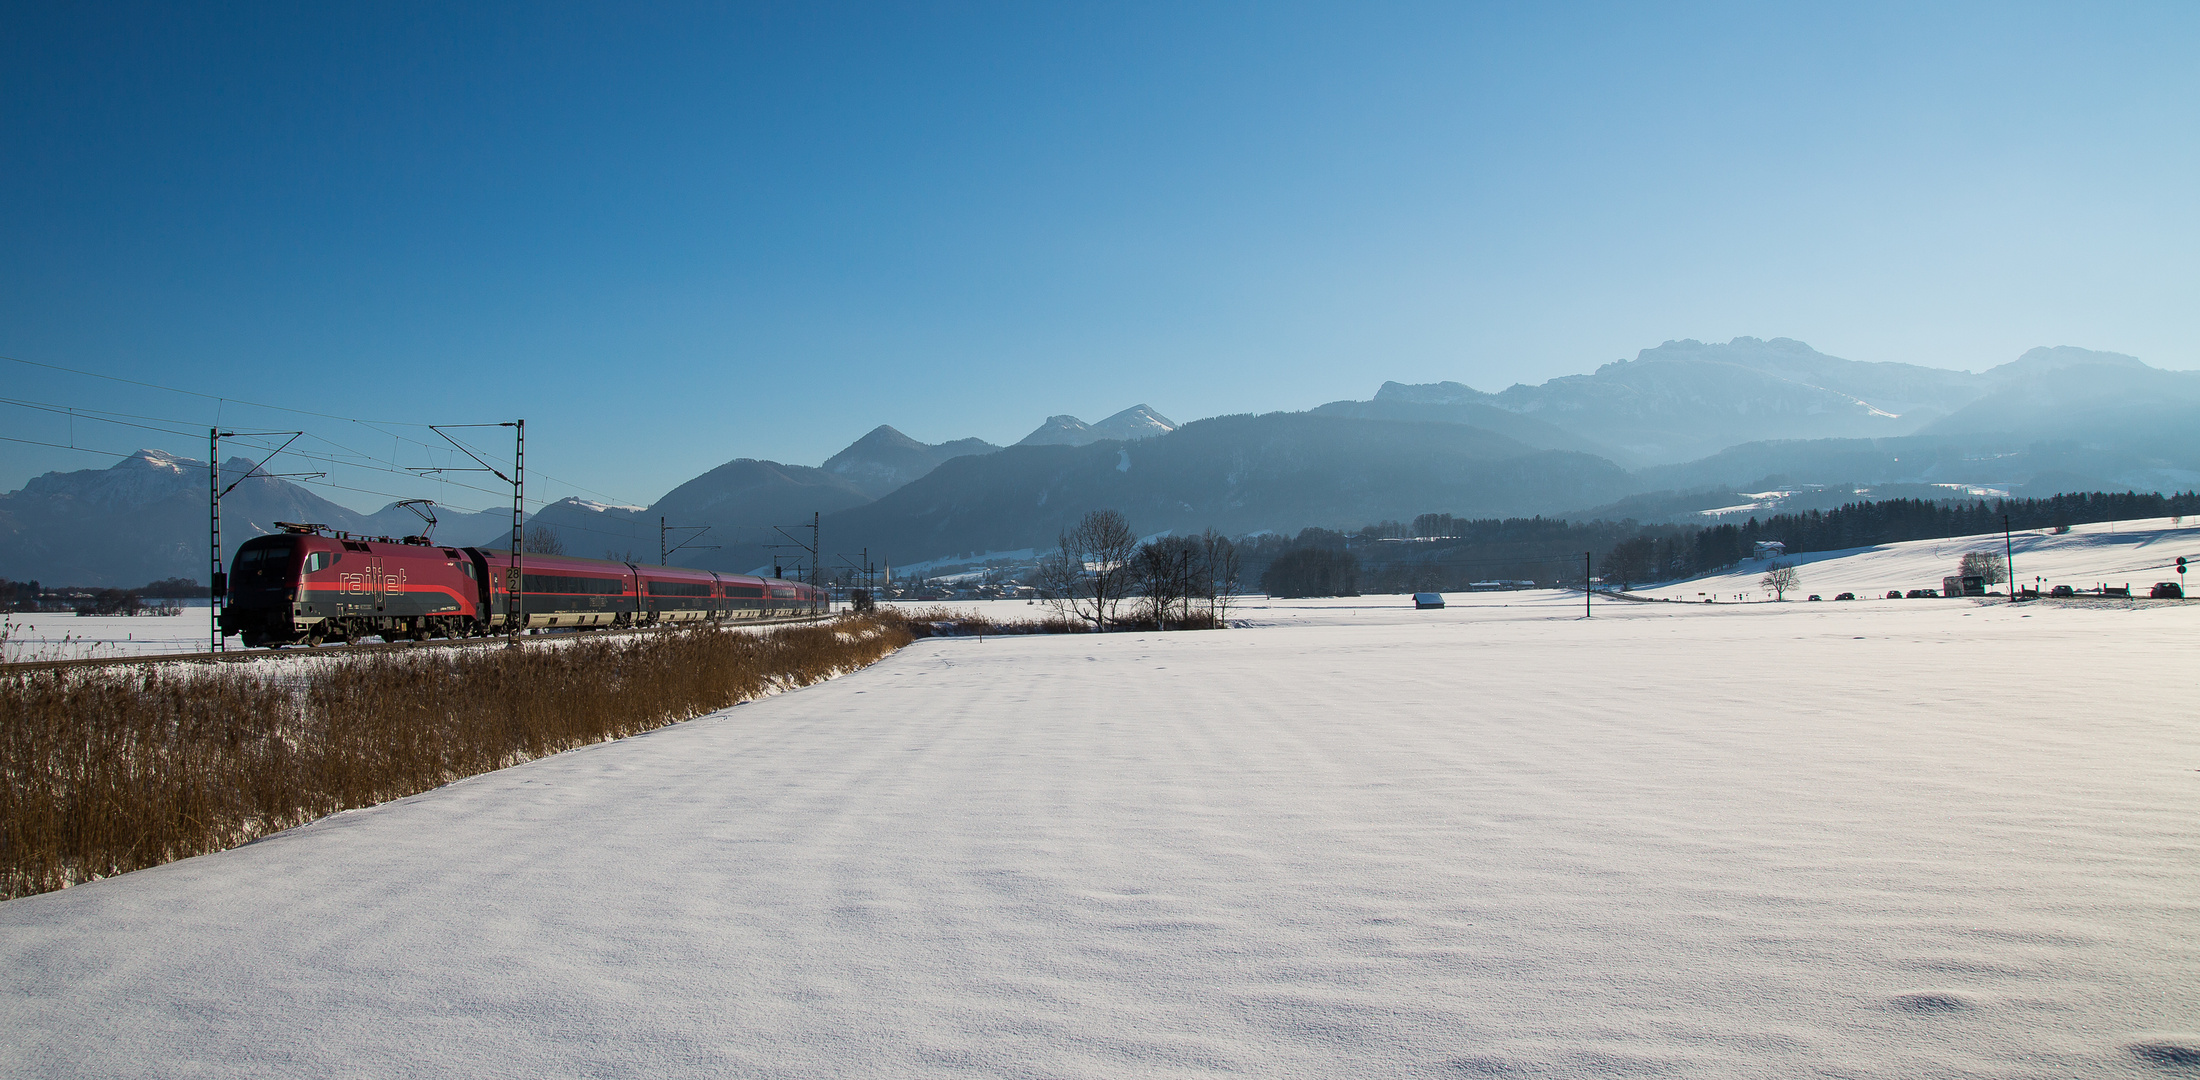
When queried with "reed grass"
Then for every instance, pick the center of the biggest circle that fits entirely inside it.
(105, 770)
(951, 622)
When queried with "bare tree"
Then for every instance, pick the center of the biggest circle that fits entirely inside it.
(1108, 545)
(1094, 567)
(1220, 559)
(1169, 573)
(1060, 578)
(542, 540)
(1779, 580)
(1985, 564)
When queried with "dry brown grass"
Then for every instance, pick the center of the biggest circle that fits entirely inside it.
(950, 622)
(107, 770)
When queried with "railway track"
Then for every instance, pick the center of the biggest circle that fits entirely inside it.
(243, 656)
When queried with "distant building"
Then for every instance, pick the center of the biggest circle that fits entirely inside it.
(1771, 549)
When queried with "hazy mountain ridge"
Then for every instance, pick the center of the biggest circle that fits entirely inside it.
(2054, 419)
(1280, 471)
(1685, 399)
(885, 459)
(739, 501)
(145, 518)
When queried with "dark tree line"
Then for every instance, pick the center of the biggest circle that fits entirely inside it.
(31, 596)
(1100, 567)
(1662, 557)
(1312, 571)
(1862, 523)
(1444, 552)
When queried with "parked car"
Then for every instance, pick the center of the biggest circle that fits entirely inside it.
(1815, 596)
(1921, 594)
(1844, 596)
(1428, 600)
(2167, 590)
(2062, 590)
(1894, 594)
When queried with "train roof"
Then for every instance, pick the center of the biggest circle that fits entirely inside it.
(577, 562)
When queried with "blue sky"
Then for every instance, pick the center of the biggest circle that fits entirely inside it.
(674, 238)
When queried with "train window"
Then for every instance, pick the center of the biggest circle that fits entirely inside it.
(249, 556)
(782, 593)
(466, 568)
(319, 560)
(590, 586)
(745, 592)
(678, 588)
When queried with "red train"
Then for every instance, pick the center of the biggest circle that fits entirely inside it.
(306, 587)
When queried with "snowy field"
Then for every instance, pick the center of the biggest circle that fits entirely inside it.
(1769, 840)
(2138, 553)
(63, 636)
(66, 636)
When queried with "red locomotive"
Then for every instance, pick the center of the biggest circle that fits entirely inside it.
(304, 586)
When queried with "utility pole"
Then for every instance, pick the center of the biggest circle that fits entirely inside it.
(664, 530)
(518, 619)
(2009, 558)
(810, 548)
(515, 578)
(1588, 585)
(863, 570)
(217, 582)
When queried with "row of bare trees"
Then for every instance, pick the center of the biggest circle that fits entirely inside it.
(1179, 582)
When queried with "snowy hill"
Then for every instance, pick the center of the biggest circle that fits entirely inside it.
(2138, 553)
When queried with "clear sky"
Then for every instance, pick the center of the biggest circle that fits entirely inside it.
(671, 236)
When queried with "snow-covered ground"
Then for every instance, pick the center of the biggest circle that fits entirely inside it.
(1354, 839)
(66, 636)
(63, 636)
(2138, 553)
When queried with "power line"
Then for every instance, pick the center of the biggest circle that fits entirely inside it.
(372, 425)
(371, 464)
(200, 465)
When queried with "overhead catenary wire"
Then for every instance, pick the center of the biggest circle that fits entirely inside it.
(372, 425)
(201, 465)
(363, 491)
(359, 461)
(347, 463)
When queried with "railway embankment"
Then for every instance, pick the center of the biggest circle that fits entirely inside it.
(108, 769)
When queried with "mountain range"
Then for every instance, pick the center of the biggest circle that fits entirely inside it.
(1678, 430)
(144, 518)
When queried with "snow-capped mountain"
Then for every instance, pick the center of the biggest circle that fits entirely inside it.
(1137, 422)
